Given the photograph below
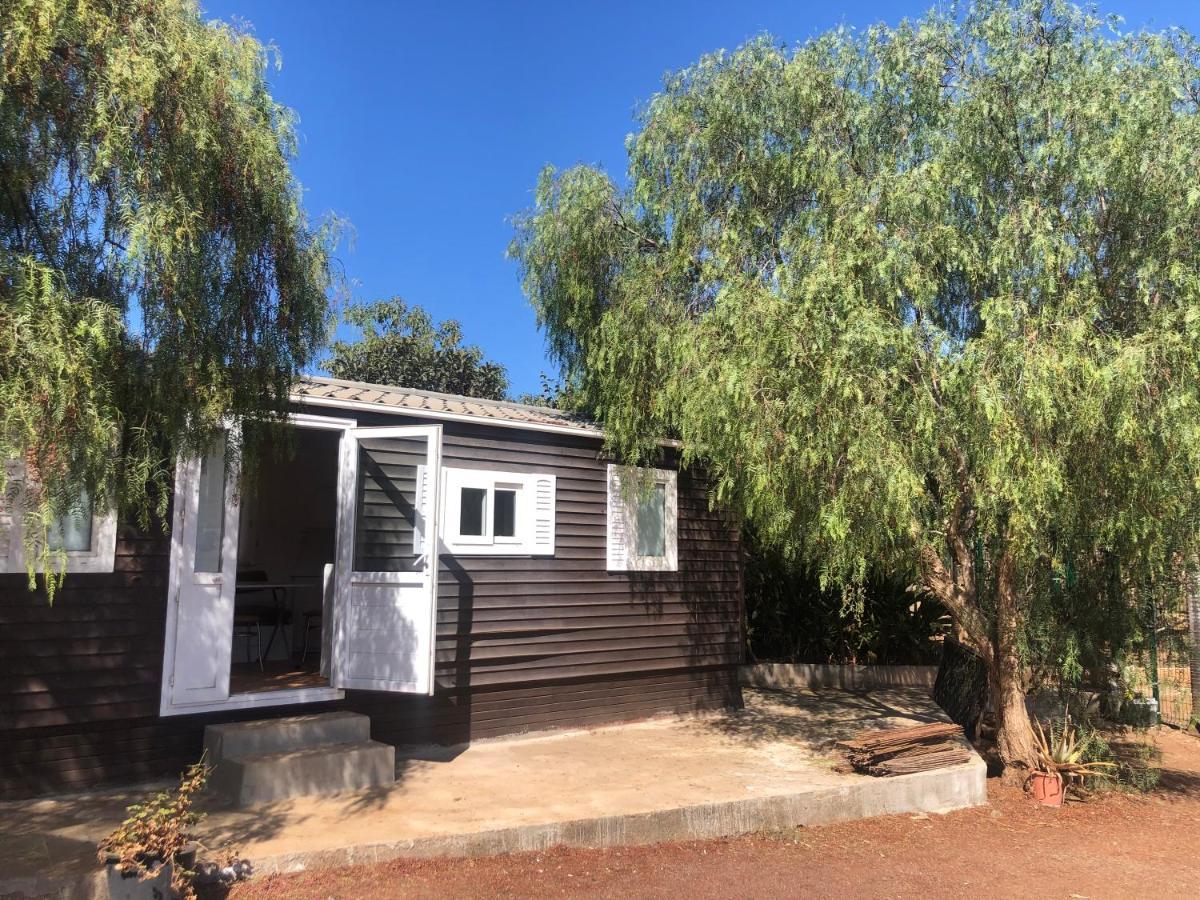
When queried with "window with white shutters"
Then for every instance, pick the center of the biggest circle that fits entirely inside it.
(10, 516)
(85, 538)
(643, 520)
(497, 513)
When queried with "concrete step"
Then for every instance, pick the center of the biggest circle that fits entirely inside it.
(290, 733)
(325, 769)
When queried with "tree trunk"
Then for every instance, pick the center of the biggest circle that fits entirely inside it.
(1014, 730)
(997, 643)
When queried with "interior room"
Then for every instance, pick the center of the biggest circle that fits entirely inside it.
(286, 546)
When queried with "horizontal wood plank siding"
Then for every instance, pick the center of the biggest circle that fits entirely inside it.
(523, 643)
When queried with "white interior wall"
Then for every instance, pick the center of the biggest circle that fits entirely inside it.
(288, 522)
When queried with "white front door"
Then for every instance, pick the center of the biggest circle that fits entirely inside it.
(201, 582)
(386, 573)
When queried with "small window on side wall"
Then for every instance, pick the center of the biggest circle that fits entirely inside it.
(498, 513)
(84, 537)
(643, 530)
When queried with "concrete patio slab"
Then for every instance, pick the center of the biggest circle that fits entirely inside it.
(765, 767)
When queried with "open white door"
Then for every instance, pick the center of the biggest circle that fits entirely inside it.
(385, 602)
(204, 542)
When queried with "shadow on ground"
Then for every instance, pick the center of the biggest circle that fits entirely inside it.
(819, 719)
(55, 838)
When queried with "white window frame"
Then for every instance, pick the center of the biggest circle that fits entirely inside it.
(624, 486)
(529, 539)
(100, 558)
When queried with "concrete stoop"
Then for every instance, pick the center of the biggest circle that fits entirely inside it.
(275, 759)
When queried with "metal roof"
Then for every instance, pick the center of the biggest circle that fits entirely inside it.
(325, 391)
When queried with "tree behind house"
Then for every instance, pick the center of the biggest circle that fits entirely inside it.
(924, 299)
(401, 346)
(556, 394)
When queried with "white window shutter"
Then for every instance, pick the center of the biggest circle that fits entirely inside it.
(619, 530)
(420, 501)
(10, 526)
(6, 534)
(542, 487)
(671, 560)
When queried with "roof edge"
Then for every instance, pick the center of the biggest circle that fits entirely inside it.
(569, 424)
(505, 404)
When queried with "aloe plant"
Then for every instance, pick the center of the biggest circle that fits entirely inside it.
(1063, 752)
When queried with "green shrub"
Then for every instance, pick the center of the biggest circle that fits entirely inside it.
(790, 618)
(1134, 766)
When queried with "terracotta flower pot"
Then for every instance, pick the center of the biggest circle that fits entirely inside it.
(1047, 788)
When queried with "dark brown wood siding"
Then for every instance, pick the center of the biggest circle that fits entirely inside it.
(523, 643)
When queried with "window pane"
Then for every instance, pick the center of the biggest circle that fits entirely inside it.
(387, 514)
(652, 522)
(74, 530)
(504, 516)
(210, 511)
(470, 511)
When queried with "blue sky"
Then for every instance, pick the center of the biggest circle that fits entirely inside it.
(426, 124)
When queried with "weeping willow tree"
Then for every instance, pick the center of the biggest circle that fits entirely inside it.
(157, 272)
(924, 298)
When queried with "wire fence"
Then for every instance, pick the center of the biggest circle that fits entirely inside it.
(1171, 658)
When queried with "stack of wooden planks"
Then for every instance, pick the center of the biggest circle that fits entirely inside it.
(900, 751)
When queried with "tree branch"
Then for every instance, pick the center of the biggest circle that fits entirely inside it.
(964, 607)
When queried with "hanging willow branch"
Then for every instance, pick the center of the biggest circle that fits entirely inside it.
(157, 271)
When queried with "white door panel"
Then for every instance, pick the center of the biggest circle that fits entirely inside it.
(202, 580)
(387, 581)
(391, 637)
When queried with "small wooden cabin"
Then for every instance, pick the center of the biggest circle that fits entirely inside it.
(555, 597)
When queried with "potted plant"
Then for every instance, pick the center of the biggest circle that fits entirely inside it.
(1060, 759)
(151, 853)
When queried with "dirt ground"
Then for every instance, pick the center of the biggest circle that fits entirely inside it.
(1114, 845)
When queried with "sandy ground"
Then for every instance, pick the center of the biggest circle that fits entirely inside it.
(1114, 845)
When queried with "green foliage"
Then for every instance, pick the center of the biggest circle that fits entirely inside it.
(157, 831)
(556, 394)
(400, 345)
(1079, 625)
(789, 617)
(157, 273)
(1132, 769)
(924, 299)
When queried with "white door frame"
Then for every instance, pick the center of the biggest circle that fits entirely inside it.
(344, 570)
(186, 473)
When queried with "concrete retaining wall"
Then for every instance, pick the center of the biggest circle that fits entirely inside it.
(938, 791)
(807, 676)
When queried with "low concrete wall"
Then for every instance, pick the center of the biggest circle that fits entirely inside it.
(938, 791)
(807, 676)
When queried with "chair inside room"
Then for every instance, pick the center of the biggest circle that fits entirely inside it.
(286, 547)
